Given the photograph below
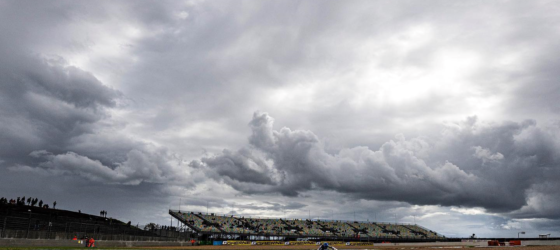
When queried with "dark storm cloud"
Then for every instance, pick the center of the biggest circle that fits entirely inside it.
(494, 166)
(50, 110)
(45, 104)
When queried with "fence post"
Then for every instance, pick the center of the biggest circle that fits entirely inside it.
(4, 228)
(28, 225)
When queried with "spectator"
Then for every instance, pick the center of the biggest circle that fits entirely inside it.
(54, 205)
(29, 201)
(41, 203)
(90, 242)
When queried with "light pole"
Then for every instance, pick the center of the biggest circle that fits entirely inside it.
(520, 233)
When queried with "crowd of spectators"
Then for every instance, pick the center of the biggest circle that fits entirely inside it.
(155, 227)
(22, 201)
(29, 201)
(210, 223)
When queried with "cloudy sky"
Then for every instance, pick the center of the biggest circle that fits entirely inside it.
(441, 113)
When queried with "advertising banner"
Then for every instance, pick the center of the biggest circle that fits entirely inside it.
(269, 243)
(359, 243)
(237, 243)
(333, 242)
(302, 243)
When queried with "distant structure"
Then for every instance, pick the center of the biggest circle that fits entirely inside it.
(215, 227)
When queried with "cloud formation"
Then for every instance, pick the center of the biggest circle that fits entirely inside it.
(457, 168)
(46, 103)
(119, 100)
(139, 167)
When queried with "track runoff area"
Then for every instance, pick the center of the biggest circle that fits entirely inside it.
(341, 247)
(377, 246)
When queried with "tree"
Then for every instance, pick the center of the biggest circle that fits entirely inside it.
(150, 226)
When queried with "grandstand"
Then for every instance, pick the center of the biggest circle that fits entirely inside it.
(212, 226)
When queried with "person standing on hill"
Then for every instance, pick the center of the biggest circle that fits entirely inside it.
(54, 205)
(41, 203)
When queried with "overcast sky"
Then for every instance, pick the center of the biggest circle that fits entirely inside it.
(443, 113)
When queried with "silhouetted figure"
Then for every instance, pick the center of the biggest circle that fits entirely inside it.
(41, 203)
(54, 205)
(29, 201)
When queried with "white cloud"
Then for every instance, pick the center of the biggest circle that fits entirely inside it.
(486, 155)
(469, 211)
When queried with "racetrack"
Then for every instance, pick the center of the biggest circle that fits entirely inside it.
(391, 247)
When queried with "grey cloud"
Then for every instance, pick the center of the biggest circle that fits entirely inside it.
(458, 168)
(241, 166)
(486, 155)
(54, 121)
(45, 104)
(192, 82)
(139, 167)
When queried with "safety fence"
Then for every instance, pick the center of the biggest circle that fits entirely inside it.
(56, 228)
